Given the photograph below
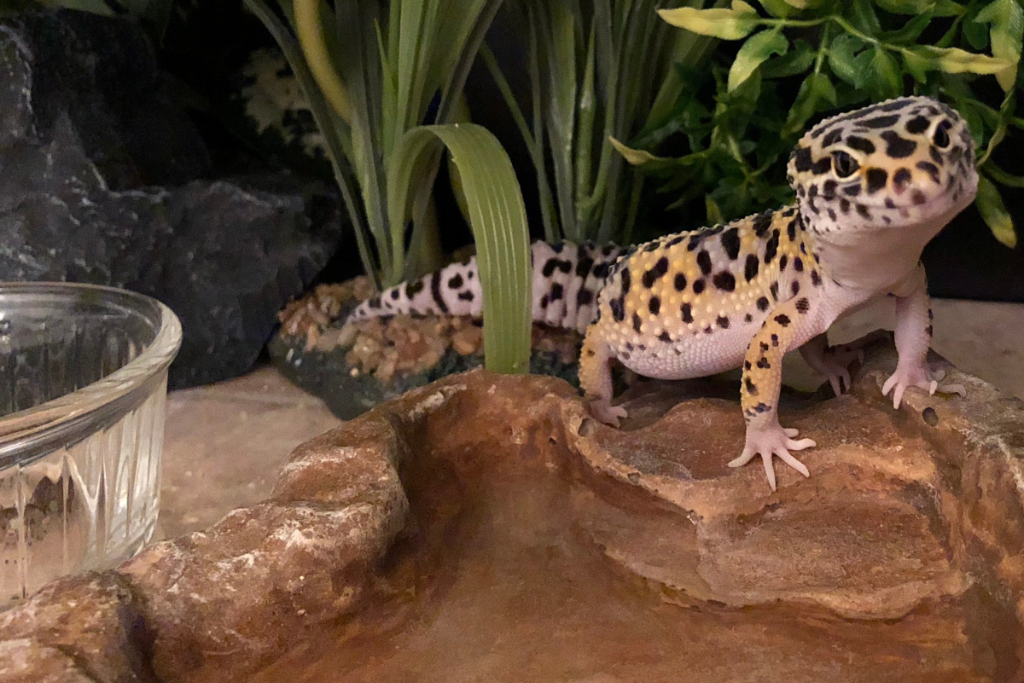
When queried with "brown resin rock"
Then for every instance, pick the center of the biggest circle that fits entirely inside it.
(486, 528)
(82, 628)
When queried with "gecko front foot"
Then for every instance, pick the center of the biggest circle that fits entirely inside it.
(835, 365)
(921, 378)
(769, 440)
(607, 413)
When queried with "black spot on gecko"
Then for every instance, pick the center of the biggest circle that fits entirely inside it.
(762, 222)
(455, 282)
(724, 281)
(802, 160)
(680, 282)
(698, 286)
(764, 347)
(413, 288)
(751, 387)
(395, 294)
(774, 291)
(625, 279)
(762, 304)
(687, 313)
(931, 169)
(751, 267)
(746, 365)
(815, 278)
(704, 261)
(466, 296)
(656, 272)
(762, 408)
(584, 266)
(860, 144)
(896, 146)
(783, 262)
(802, 305)
(557, 291)
(791, 230)
(834, 136)
(722, 321)
(747, 318)
(901, 179)
(584, 297)
(636, 322)
(435, 292)
(795, 287)
(782, 319)
(665, 337)
(877, 178)
(879, 121)
(917, 125)
(775, 340)
(731, 243)
(764, 364)
(654, 305)
(618, 309)
(771, 248)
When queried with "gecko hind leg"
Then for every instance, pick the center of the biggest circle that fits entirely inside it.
(596, 378)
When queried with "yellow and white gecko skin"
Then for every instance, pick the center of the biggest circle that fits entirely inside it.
(873, 187)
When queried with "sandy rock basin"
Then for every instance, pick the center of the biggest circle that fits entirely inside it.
(484, 528)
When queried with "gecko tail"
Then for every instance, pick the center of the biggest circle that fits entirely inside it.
(566, 280)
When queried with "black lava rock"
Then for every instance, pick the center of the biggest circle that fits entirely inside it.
(100, 181)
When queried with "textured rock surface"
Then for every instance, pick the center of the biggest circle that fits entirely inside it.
(101, 184)
(485, 527)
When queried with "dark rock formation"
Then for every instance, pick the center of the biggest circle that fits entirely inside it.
(101, 183)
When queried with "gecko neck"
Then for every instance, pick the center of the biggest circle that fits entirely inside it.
(874, 259)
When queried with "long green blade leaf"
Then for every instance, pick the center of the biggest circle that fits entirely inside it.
(498, 220)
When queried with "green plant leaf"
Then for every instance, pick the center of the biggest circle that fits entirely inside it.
(906, 6)
(846, 59)
(498, 220)
(911, 30)
(643, 158)
(755, 51)
(1007, 20)
(816, 94)
(727, 24)
(777, 8)
(953, 60)
(796, 61)
(993, 211)
(884, 80)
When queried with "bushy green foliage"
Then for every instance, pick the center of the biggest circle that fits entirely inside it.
(599, 70)
(371, 72)
(801, 59)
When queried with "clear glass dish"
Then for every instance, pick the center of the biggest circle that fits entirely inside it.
(83, 388)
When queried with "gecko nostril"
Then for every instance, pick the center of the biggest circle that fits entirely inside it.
(900, 180)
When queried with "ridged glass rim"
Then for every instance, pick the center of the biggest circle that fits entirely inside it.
(35, 431)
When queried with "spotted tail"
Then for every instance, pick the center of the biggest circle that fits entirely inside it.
(566, 281)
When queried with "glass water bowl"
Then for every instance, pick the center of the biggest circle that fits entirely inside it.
(83, 388)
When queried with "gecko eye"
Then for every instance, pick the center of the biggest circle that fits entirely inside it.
(941, 135)
(843, 165)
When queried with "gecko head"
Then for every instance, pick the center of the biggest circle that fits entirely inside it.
(902, 163)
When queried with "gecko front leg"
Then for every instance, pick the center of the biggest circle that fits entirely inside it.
(913, 339)
(761, 386)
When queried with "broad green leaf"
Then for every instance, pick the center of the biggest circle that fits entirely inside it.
(756, 50)
(798, 60)
(1002, 177)
(310, 31)
(777, 8)
(1007, 20)
(953, 60)
(911, 30)
(816, 94)
(918, 65)
(976, 34)
(905, 6)
(861, 14)
(727, 24)
(994, 212)
(498, 221)
(884, 80)
(842, 58)
(714, 212)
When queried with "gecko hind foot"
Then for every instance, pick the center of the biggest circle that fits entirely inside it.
(920, 378)
(771, 441)
(607, 413)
